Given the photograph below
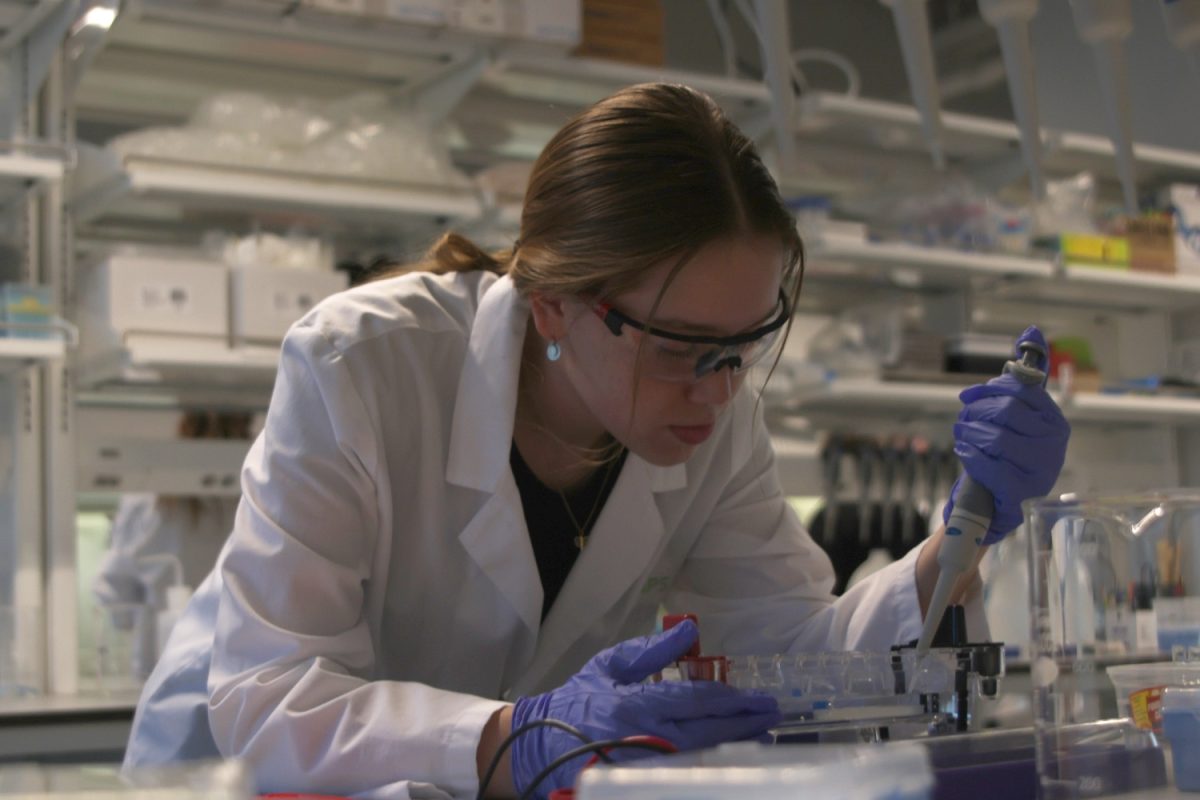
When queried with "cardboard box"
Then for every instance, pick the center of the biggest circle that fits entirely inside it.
(1183, 202)
(1151, 243)
(265, 301)
(623, 30)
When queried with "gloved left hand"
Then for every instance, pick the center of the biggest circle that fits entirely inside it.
(607, 700)
(1011, 437)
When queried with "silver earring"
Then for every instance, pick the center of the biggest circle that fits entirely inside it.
(553, 351)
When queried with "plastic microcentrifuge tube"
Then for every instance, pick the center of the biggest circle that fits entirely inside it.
(912, 25)
(1011, 19)
(1104, 25)
(1183, 28)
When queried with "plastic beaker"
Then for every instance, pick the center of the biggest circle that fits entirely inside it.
(124, 645)
(1105, 574)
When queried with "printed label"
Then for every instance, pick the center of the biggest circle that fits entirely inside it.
(1145, 706)
(159, 297)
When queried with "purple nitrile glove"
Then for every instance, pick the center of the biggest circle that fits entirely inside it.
(1011, 438)
(607, 700)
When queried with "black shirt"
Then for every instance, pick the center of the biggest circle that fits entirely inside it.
(551, 529)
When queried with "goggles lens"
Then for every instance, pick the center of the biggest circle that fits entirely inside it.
(681, 357)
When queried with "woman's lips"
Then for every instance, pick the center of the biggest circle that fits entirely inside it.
(692, 434)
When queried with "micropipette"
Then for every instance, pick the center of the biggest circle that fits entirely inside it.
(972, 514)
(1105, 24)
(1183, 27)
(1011, 19)
(912, 25)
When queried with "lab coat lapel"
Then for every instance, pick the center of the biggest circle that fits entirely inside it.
(496, 538)
(627, 537)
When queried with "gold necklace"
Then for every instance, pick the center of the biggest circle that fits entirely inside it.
(582, 530)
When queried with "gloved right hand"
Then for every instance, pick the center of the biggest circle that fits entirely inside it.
(606, 700)
(1011, 438)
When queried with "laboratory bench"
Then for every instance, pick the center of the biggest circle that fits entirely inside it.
(66, 728)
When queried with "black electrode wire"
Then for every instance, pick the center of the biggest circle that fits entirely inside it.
(594, 747)
(512, 737)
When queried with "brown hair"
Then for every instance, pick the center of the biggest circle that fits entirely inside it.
(651, 173)
(654, 172)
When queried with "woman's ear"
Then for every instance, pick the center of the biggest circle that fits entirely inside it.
(549, 313)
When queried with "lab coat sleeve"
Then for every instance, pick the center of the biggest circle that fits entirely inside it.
(760, 584)
(290, 687)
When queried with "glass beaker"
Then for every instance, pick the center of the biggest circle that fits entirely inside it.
(1113, 581)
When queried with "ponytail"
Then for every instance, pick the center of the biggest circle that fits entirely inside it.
(453, 252)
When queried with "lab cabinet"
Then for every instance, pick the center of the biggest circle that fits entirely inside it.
(265, 301)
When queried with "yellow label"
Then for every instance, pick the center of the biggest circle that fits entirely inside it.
(1145, 706)
(1105, 250)
(28, 305)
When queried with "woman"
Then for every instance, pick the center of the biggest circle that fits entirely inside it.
(470, 483)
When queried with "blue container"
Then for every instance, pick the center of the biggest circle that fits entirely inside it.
(25, 304)
(1181, 725)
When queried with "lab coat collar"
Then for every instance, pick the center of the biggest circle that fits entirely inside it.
(626, 534)
(627, 537)
(486, 405)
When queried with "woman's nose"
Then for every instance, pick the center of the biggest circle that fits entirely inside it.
(716, 388)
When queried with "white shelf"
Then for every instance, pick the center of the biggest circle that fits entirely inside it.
(856, 395)
(43, 705)
(195, 185)
(922, 265)
(897, 127)
(30, 167)
(1006, 277)
(176, 467)
(166, 366)
(16, 353)
(577, 81)
(1133, 408)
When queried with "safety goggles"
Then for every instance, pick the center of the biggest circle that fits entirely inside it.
(673, 356)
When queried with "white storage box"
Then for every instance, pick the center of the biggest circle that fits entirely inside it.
(155, 295)
(265, 301)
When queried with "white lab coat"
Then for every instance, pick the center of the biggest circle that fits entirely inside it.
(379, 600)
